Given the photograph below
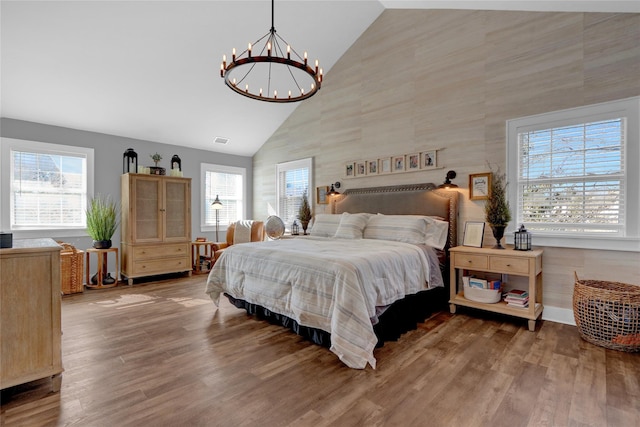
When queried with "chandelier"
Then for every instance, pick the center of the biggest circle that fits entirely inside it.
(278, 69)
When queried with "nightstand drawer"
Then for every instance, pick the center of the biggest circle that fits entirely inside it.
(471, 261)
(509, 265)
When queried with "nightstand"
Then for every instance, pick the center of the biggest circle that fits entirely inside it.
(503, 261)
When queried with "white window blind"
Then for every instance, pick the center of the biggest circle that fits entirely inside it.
(572, 178)
(48, 189)
(573, 175)
(228, 184)
(293, 180)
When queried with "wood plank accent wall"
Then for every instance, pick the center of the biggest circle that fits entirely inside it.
(423, 79)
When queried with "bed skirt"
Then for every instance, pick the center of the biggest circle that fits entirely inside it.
(402, 316)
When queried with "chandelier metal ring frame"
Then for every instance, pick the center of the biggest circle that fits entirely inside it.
(275, 57)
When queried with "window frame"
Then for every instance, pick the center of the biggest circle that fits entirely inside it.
(291, 165)
(210, 167)
(9, 144)
(629, 109)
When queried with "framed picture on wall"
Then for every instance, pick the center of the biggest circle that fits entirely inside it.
(479, 186)
(372, 167)
(361, 168)
(350, 170)
(321, 195)
(384, 165)
(429, 159)
(413, 162)
(397, 164)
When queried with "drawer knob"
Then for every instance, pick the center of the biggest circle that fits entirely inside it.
(508, 265)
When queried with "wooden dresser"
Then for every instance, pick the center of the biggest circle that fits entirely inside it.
(156, 225)
(30, 332)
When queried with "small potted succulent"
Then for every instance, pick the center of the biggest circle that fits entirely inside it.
(102, 221)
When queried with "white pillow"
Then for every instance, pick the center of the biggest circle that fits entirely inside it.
(437, 232)
(398, 228)
(352, 226)
(325, 225)
(415, 229)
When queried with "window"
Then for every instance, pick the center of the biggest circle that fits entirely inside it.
(45, 188)
(571, 174)
(293, 179)
(229, 184)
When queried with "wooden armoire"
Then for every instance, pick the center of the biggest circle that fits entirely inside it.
(156, 225)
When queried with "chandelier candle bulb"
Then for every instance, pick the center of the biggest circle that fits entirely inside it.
(275, 94)
(249, 50)
(233, 54)
(316, 66)
(289, 94)
(224, 61)
(305, 58)
(288, 52)
(246, 88)
(269, 49)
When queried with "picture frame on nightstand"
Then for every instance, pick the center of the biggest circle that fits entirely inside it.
(473, 234)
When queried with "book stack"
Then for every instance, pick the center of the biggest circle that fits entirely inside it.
(517, 298)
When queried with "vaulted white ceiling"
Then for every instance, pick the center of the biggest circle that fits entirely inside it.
(151, 69)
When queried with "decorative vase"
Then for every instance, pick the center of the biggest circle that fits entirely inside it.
(102, 244)
(305, 225)
(498, 233)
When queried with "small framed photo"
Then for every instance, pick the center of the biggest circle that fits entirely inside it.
(321, 195)
(384, 165)
(473, 234)
(397, 164)
(372, 167)
(350, 170)
(361, 168)
(413, 162)
(429, 159)
(479, 186)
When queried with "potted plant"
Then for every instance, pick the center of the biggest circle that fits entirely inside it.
(304, 214)
(496, 208)
(102, 221)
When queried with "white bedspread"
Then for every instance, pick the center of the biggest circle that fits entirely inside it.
(329, 284)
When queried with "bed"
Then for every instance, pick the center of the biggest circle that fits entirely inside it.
(346, 292)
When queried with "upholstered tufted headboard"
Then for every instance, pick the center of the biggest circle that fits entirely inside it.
(412, 199)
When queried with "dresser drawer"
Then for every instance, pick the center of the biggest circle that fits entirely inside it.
(509, 265)
(471, 261)
(160, 251)
(158, 266)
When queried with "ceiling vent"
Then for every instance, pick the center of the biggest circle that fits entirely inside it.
(220, 140)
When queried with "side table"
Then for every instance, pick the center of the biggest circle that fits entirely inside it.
(103, 258)
(207, 256)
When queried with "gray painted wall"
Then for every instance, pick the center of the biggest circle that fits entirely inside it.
(108, 164)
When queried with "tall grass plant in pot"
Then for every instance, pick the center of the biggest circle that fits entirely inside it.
(102, 220)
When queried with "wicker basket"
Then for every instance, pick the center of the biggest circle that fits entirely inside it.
(71, 266)
(608, 313)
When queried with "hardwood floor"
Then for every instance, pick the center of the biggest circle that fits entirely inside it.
(161, 354)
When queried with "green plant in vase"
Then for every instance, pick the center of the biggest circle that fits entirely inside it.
(102, 221)
(496, 208)
(304, 213)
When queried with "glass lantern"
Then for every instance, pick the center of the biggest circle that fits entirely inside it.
(295, 228)
(129, 161)
(522, 239)
(176, 163)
